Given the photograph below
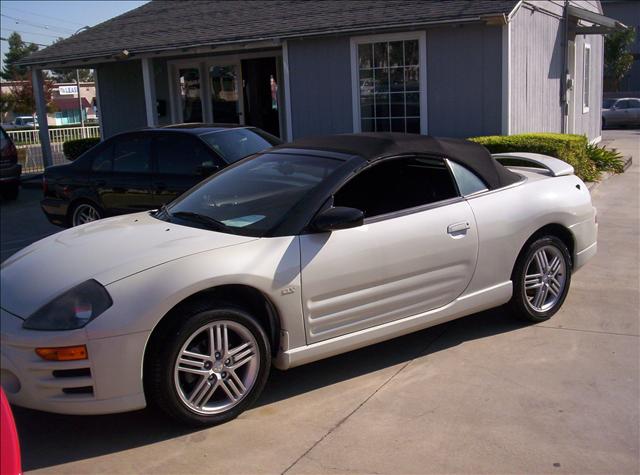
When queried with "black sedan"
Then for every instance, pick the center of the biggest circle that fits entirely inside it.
(143, 170)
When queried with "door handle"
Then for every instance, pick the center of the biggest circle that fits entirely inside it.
(458, 227)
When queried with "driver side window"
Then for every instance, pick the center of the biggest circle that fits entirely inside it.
(397, 184)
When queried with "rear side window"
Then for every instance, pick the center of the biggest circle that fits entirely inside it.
(235, 144)
(397, 184)
(102, 159)
(132, 155)
(181, 155)
(634, 103)
(468, 182)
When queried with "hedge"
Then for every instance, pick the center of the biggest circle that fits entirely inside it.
(74, 148)
(569, 148)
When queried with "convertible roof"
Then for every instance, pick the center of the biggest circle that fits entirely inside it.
(375, 146)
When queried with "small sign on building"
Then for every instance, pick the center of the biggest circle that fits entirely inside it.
(68, 90)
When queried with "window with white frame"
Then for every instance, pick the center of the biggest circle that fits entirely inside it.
(388, 84)
(586, 82)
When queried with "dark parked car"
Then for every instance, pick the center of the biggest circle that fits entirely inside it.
(143, 170)
(10, 170)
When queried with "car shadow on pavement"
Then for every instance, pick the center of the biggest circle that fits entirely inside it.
(52, 439)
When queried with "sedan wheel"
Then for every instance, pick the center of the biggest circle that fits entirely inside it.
(85, 213)
(207, 365)
(216, 367)
(541, 279)
(545, 278)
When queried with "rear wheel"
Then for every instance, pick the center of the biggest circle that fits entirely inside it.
(85, 212)
(209, 368)
(541, 279)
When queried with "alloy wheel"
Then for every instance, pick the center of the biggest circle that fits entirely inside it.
(545, 278)
(85, 213)
(216, 367)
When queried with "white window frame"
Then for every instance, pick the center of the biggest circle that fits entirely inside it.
(421, 36)
(586, 78)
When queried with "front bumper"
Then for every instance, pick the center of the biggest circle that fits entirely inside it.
(55, 210)
(109, 381)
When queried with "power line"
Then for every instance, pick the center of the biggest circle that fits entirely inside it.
(37, 25)
(43, 16)
(35, 33)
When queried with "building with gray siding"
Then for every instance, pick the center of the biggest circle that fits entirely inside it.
(455, 68)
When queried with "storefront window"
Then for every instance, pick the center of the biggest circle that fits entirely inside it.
(389, 86)
(190, 95)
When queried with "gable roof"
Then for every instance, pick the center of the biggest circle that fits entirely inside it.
(162, 25)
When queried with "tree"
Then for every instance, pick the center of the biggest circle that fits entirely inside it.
(617, 58)
(21, 101)
(18, 49)
(69, 75)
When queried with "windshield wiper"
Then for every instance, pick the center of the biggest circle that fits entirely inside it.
(162, 210)
(208, 221)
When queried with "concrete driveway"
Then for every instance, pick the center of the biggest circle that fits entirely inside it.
(477, 395)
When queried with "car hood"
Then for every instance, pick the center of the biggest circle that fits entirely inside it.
(106, 250)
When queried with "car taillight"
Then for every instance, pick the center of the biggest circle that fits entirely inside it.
(44, 185)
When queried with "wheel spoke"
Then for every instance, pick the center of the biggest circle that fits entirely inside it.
(532, 281)
(242, 359)
(238, 349)
(190, 362)
(225, 340)
(207, 395)
(226, 389)
(199, 391)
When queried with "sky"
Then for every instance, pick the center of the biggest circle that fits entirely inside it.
(42, 22)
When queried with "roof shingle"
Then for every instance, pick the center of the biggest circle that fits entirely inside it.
(164, 25)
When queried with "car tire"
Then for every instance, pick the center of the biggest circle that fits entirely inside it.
(541, 279)
(84, 212)
(205, 392)
(11, 192)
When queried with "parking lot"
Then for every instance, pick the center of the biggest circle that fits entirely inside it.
(481, 394)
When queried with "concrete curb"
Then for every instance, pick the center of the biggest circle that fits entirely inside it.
(593, 185)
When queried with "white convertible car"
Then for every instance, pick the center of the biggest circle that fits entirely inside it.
(298, 253)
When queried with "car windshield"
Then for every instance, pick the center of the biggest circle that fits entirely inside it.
(235, 144)
(252, 197)
(607, 103)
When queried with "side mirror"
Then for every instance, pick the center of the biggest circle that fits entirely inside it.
(340, 217)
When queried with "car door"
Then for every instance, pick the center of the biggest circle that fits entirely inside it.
(181, 161)
(415, 252)
(623, 115)
(129, 183)
(634, 107)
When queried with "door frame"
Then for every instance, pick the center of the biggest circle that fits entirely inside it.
(203, 64)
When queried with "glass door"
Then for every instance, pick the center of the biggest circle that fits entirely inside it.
(190, 94)
(226, 93)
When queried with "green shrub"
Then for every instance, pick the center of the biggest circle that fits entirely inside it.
(569, 148)
(74, 148)
(605, 160)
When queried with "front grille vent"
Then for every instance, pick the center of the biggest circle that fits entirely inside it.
(80, 390)
(72, 373)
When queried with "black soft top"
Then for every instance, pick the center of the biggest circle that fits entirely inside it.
(375, 146)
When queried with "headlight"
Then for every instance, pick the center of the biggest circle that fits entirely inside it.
(73, 309)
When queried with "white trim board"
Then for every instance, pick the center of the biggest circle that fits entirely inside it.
(421, 36)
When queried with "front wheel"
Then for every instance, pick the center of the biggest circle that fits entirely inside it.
(211, 367)
(541, 279)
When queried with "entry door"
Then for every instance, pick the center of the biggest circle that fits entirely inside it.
(189, 89)
(225, 81)
(373, 274)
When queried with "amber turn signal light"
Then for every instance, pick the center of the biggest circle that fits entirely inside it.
(66, 353)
